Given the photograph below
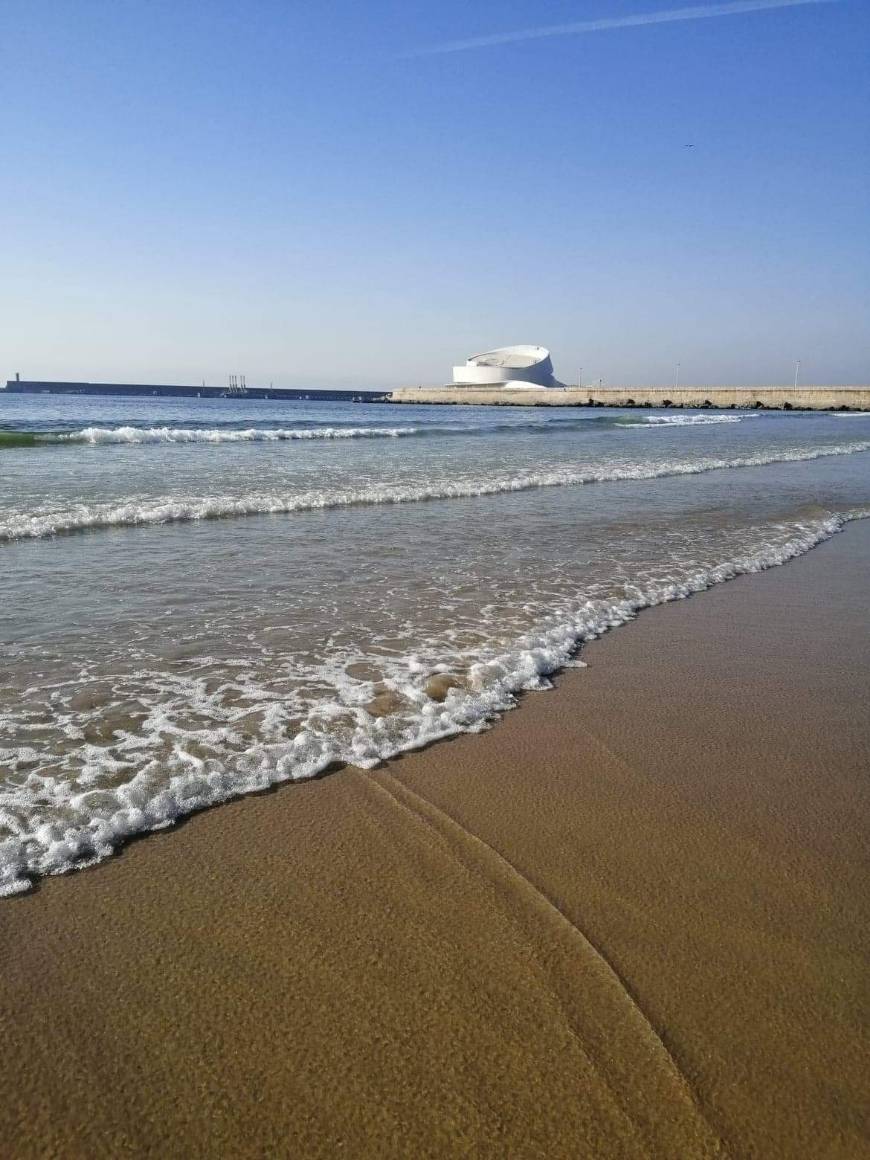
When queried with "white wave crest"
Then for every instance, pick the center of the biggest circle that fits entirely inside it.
(175, 509)
(658, 421)
(97, 823)
(100, 435)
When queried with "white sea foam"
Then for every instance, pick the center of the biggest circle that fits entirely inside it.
(56, 827)
(100, 435)
(48, 521)
(658, 421)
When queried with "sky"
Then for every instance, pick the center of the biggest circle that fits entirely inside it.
(344, 194)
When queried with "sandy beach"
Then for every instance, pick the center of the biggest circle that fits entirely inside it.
(631, 920)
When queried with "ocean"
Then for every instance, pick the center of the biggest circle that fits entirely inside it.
(204, 598)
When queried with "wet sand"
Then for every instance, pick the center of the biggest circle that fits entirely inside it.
(632, 920)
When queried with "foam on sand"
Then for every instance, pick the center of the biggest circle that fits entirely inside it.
(135, 786)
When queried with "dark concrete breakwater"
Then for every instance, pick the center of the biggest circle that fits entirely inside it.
(35, 387)
(720, 398)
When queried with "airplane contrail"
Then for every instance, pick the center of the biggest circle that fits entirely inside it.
(696, 12)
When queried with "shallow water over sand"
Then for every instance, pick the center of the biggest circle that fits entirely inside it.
(201, 598)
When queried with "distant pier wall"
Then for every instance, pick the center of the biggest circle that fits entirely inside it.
(186, 391)
(772, 398)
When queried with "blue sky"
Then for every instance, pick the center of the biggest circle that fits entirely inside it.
(304, 194)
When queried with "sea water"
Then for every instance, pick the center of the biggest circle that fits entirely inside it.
(203, 598)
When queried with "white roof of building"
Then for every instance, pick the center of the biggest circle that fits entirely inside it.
(510, 356)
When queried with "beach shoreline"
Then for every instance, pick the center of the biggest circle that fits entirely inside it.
(629, 920)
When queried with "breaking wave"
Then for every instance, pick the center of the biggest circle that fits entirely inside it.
(658, 421)
(98, 435)
(96, 822)
(130, 435)
(49, 521)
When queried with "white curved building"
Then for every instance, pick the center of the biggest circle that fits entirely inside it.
(508, 366)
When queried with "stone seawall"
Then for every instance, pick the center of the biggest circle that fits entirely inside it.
(773, 398)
